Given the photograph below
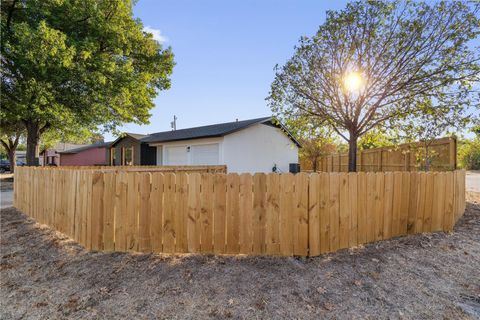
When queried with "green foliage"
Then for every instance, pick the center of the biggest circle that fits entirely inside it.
(376, 138)
(73, 65)
(469, 154)
(316, 140)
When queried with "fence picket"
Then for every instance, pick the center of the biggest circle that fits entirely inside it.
(259, 213)
(276, 214)
(169, 213)
(206, 213)
(246, 213)
(232, 214)
(156, 213)
(300, 237)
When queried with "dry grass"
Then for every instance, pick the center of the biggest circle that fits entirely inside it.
(45, 275)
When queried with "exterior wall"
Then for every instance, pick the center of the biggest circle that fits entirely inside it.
(257, 149)
(90, 157)
(148, 156)
(162, 147)
(254, 149)
(127, 142)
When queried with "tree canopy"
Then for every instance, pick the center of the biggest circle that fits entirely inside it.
(377, 61)
(76, 64)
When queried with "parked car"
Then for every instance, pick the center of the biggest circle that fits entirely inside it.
(4, 165)
(21, 163)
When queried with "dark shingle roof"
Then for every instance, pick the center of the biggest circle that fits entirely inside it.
(214, 130)
(91, 146)
(137, 136)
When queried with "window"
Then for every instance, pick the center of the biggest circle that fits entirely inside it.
(112, 156)
(127, 156)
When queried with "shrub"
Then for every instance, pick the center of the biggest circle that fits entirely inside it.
(469, 154)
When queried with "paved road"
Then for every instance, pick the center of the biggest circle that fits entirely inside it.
(473, 181)
(6, 199)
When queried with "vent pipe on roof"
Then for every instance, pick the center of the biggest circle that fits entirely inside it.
(173, 124)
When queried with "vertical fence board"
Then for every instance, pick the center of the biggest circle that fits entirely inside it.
(427, 217)
(233, 215)
(219, 215)
(144, 223)
(109, 211)
(132, 211)
(421, 187)
(181, 212)
(246, 213)
(259, 213)
(193, 223)
(344, 212)
(412, 203)
(169, 214)
(206, 213)
(448, 221)
(273, 211)
(379, 215)
(370, 221)
(388, 205)
(362, 208)
(121, 211)
(353, 199)
(314, 232)
(96, 213)
(438, 201)
(156, 212)
(334, 211)
(323, 199)
(300, 241)
(397, 203)
(286, 213)
(405, 203)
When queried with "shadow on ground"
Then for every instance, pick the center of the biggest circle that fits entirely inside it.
(43, 274)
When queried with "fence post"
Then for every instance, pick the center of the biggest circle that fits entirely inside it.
(453, 153)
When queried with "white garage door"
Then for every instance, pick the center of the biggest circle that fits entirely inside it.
(205, 154)
(176, 156)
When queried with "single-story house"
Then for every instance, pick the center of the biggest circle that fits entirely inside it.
(96, 154)
(51, 156)
(129, 150)
(255, 145)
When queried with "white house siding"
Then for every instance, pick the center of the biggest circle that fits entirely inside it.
(165, 150)
(257, 149)
(254, 149)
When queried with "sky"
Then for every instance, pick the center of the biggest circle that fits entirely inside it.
(225, 53)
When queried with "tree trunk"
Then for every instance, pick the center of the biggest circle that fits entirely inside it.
(314, 164)
(427, 158)
(352, 152)
(33, 138)
(11, 159)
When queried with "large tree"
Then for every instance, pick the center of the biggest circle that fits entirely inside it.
(11, 132)
(77, 63)
(375, 61)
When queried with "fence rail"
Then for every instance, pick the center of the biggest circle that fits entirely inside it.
(174, 169)
(261, 214)
(401, 158)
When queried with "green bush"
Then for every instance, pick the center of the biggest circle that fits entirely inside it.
(469, 154)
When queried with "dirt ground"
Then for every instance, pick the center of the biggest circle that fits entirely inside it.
(47, 276)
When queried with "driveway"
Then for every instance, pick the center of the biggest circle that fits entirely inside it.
(6, 190)
(473, 181)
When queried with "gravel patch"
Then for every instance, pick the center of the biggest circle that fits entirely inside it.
(45, 275)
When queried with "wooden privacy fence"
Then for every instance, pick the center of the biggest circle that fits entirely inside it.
(190, 169)
(401, 158)
(271, 214)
